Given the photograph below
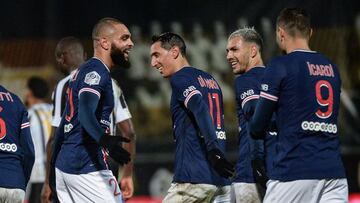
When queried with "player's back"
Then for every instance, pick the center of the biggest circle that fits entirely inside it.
(191, 163)
(308, 104)
(80, 153)
(13, 118)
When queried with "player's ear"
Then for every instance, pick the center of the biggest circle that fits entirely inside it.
(281, 33)
(253, 50)
(175, 51)
(105, 43)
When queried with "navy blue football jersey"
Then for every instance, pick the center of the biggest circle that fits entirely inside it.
(306, 87)
(80, 153)
(16, 146)
(191, 163)
(247, 88)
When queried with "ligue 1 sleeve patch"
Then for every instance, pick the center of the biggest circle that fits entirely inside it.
(92, 78)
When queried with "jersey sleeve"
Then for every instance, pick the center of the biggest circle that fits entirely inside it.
(192, 98)
(56, 107)
(94, 81)
(121, 110)
(27, 145)
(271, 83)
(184, 89)
(247, 92)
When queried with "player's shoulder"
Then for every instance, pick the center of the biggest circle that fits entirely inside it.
(116, 87)
(93, 71)
(254, 75)
(279, 60)
(12, 98)
(183, 75)
(62, 82)
(94, 65)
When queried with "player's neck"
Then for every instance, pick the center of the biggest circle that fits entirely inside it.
(103, 57)
(34, 101)
(256, 62)
(297, 43)
(182, 63)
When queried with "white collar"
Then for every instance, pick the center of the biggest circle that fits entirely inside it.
(304, 50)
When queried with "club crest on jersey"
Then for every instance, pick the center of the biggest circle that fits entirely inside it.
(188, 90)
(92, 78)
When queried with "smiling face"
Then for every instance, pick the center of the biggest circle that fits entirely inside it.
(162, 60)
(121, 45)
(238, 55)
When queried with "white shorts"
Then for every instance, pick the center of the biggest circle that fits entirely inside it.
(11, 195)
(245, 193)
(98, 186)
(190, 193)
(222, 194)
(309, 191)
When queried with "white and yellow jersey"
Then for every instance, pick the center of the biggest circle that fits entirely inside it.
(40, 117)
(121, 111)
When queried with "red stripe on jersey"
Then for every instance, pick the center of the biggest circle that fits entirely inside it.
(86, 89)
(268, 96)
(190, 95)
(105, 157)
(248, 99)
(25, 125)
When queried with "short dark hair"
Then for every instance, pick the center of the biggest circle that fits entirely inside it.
(66, 42)
(295, 21)
(169, 40)
(102, 24)
(38, 86)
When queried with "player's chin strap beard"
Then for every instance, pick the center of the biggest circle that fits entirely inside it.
(118, 58)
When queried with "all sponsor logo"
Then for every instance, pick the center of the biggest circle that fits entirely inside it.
(7, 147)
(319, 126)
(221, 135)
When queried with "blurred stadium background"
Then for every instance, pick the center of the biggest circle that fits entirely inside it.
(30, 30)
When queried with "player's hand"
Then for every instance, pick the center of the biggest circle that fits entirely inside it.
(127, 187)
(222, 166)
(259, 171)
(46, 193)
(114, 145)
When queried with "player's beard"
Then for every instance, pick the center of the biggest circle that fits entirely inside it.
(118, 57)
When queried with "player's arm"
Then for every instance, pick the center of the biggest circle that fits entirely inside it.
(203, 119)
(257, 154)
(127, 130)
(275, 73)
(88, 102)
(27, 146)
(54, 151)
(256, 146)
(260, 121)
(46, 190)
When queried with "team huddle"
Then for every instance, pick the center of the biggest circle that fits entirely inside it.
(288, 144)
